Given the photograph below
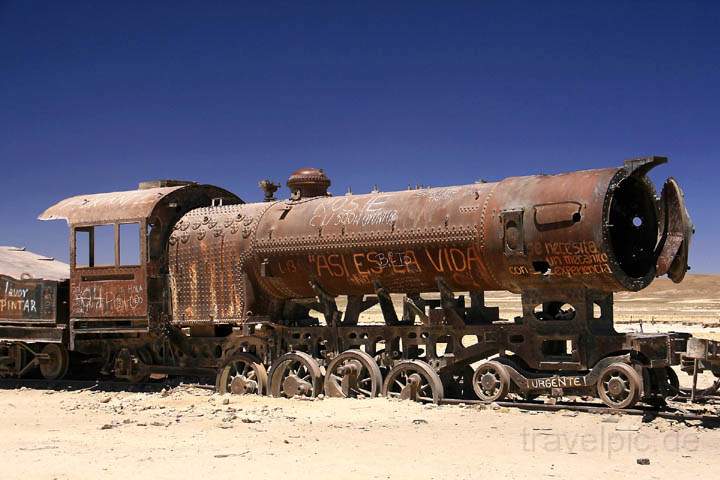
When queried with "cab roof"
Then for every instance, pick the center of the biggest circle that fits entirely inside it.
(138, 204)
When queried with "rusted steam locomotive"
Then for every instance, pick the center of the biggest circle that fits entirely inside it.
(228, 289)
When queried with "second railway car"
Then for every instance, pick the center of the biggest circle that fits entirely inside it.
(33, 314)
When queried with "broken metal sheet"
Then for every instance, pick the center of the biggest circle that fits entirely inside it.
(19, 263)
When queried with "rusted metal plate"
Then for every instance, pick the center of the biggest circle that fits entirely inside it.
(19, 263)
(108, 292)
(210, 260)
(28, 300)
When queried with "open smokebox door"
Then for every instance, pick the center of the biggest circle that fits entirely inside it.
(650, 236)
(676, 230)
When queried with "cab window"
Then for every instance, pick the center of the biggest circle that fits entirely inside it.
(108, 245)
(129, 237)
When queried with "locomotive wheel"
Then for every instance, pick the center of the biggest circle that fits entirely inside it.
(243, 374)
(353, 373)
(296, 373)
(491, 381)
(619, 386)
(413, 380)
(56, 365)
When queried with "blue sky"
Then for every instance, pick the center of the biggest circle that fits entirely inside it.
(97, 96)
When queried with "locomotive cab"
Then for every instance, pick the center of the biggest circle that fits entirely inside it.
(118, 259)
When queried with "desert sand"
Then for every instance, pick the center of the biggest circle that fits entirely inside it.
(193, 433)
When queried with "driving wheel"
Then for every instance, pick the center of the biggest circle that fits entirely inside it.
(413, 380)
(353, 373)
(296, 374)
(243, 374)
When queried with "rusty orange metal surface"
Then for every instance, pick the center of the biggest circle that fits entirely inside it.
(536, 233)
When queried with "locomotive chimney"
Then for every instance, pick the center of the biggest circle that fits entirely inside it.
(308, 182)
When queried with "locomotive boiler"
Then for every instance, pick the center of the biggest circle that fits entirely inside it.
(269, 297)
(597, 230)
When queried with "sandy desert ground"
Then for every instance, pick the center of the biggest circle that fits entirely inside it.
(190, 432)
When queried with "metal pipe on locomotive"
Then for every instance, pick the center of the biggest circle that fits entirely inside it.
(227, 288)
